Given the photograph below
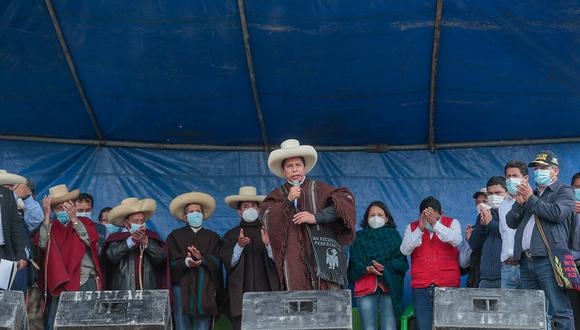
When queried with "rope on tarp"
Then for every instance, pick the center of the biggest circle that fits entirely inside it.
(434, 69)
(73, 70)
(252, 74)
(376, 148)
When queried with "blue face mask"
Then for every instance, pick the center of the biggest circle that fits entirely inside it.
(429, 227)
(111, 229)
(577, 192)
(195, 219)
(135, 227)
(542, 177)
(62, 217)
(512, 185)
(85, 215)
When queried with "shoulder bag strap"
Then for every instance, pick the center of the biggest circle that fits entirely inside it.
(549, 249)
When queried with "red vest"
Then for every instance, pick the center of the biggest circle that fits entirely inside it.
(434, 262)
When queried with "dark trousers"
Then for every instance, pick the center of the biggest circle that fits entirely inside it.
(237, 322)
(575, 302)
(2, 252)
(423, 303)
(536, 273)
(89, 285)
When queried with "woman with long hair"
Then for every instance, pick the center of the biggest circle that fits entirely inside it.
(378, 268)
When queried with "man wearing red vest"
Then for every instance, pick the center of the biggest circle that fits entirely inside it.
(432, 244)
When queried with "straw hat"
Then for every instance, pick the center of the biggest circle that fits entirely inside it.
(60, 194)
(247, 194)
(10, 178)
(288, 149)
(178, 204)
(132, 205)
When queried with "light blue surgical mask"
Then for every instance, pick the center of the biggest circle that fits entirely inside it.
(512, 185)
(195, 219)
(62, 217)
(85, 215)
(542, 177)
(577, 193)
(111, 229)
(135, 227)
(429, 227)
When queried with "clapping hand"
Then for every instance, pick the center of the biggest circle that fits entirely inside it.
(243, 240)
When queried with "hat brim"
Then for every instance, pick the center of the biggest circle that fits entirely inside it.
(277, 157)
(537, 162)
(10, 178)
(71, 195)
(178, 204)
(233, 200)
(148, 206)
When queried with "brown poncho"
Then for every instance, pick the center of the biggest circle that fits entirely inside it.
(291, 243)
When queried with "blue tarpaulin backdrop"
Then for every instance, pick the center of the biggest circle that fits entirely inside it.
(401, 179)
(331, 73)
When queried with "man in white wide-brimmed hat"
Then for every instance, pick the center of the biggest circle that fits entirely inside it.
(305, 219)
(136, 247)
(31, 212)
(12, 233)
(28, 207)
(195, 263)
(71, 261)
(247, 254)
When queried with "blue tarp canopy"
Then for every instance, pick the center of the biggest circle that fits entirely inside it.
(334, 73)
(220, 86)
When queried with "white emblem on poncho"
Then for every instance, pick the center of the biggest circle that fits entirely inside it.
(332, 258)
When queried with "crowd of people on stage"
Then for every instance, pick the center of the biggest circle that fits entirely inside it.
(301, 236)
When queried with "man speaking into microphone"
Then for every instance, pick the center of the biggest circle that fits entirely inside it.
(308, 222)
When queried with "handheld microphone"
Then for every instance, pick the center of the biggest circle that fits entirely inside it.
(296, 184)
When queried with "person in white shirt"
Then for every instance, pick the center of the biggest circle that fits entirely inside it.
(432, 244)
(516, 172)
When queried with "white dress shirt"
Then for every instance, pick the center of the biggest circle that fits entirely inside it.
(413, 239)
(507, 234)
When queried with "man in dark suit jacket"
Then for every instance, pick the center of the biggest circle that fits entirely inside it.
(552, 203)
(12, 233)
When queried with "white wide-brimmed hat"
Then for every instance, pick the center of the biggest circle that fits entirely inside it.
(132, 205)
(10, 178)
(288, 149)
(60, 194)
(178, 204)
(246, 194)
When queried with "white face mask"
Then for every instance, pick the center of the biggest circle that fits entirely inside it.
(250, 215)
(494, 200)
(376, 222)
(20, 203)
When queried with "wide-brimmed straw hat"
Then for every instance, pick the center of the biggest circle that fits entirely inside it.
(132, 205)
(60, 194)
(10, 178)
(289, 149)
(178, 204)
(246, 194)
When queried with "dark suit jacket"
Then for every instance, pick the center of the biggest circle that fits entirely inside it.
(555, 209)
(12, 226)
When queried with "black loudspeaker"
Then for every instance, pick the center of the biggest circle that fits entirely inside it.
(465, 308)
(87, 310)
(13, 310)
(297, 310)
